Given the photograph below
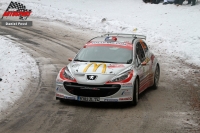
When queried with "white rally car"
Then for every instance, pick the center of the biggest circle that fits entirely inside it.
(109, 68)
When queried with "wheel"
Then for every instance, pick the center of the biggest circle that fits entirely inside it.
(156, 77)
(135, 93)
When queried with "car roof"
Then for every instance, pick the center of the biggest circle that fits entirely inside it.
(120, 39)
(128, 38)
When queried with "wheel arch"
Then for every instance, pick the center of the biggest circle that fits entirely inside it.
(158, 67)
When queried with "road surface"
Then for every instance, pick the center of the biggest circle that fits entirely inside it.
(173, 107)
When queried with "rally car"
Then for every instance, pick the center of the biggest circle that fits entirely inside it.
(109, 68)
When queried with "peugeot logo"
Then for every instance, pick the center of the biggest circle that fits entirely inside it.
(91, 77)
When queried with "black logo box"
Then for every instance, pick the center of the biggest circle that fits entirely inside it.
(17, 23)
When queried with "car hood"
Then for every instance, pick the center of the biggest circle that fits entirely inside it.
(103, 72)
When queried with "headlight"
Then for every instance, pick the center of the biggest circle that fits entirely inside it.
(67, 74)
(121, 77)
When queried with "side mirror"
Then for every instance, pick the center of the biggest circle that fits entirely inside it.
(144, 63)
(69, 59)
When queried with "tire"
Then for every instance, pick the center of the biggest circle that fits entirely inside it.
(62, 100)
(156, 77)
(134, 101)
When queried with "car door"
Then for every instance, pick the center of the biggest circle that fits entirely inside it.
(149, 63)
(142, 68)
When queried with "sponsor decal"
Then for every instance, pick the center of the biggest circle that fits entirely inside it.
(60, 95)
(110, 100)
(59, 88)
(116, 66)
(16, 9)
(127, 86)
(70, 98)
(59, 82)
(96, 66)
(125, 93)
(102, 42)
(125, 99)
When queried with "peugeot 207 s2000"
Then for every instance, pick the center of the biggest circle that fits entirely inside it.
(109, 68)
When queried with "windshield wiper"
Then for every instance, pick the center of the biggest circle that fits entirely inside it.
(80, 60)
(103, 61)
(98, 61)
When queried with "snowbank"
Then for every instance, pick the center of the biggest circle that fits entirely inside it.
(17, 68)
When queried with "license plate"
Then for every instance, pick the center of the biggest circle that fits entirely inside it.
(89, 99)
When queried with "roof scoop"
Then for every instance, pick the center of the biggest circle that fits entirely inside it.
(111, 39)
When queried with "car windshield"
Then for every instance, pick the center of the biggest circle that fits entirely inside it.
(106, 54)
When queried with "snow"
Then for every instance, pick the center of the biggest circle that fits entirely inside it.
(171, 30)
(17, 68)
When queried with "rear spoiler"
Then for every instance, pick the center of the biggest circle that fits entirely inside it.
(126, 35)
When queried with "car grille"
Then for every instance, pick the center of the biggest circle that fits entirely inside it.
(91, 90)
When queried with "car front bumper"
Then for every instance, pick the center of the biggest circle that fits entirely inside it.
(97, 93)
